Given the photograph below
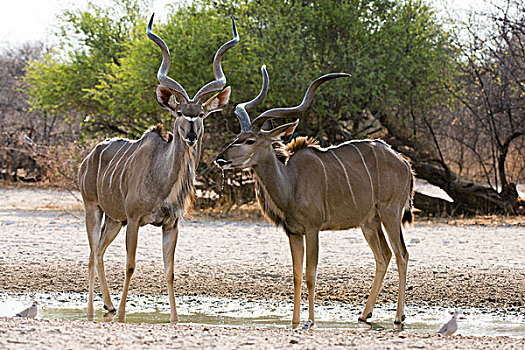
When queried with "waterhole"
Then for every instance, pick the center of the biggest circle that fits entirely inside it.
(270, 313)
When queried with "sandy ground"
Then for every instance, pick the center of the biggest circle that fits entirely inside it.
(43, 334)
(44, 249)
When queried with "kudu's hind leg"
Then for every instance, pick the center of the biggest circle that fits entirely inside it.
(297, 249)
(391, 218)
(109, 232)
(169, 241)
(382, 255)
(131, 250)
(93, 222)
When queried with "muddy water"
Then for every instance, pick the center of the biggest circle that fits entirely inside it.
(270, 313)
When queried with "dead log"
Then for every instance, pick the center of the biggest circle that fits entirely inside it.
(434, 206)
(469, 198)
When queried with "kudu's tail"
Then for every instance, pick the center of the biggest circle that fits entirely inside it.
(408, 216)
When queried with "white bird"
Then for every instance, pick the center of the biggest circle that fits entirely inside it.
(30, 312)
(451, 326)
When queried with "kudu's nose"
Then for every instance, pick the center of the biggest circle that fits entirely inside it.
(192, 136)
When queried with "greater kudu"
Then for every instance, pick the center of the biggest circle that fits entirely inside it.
(305, 188)
(150, 180)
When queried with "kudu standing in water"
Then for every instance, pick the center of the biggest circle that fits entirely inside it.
(150, 180)
(305, 188)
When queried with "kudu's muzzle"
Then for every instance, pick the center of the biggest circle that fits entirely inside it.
(191, 136)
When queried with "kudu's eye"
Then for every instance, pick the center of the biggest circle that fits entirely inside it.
(179, 113)
(249, 142)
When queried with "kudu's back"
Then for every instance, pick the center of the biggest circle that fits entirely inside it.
(341, 186)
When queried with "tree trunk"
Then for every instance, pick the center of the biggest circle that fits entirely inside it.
(468, 197)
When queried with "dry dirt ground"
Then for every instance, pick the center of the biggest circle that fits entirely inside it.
(44, 249)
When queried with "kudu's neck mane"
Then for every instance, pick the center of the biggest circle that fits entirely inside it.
(161, 131)
(285, 152)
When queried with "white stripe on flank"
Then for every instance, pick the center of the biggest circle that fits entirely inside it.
(407, 165)
(124, 169)
(382, 148)
(88, 158)
(325, 186)
(346, 175)
(130, 144)
(368, 172)
(377, 165)
(84, 177)
(107, 169)
(100, 163)
(407, 188)
(396, 181)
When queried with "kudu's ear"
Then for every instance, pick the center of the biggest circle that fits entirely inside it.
(283, 132)
(217, 102)
(164, 98)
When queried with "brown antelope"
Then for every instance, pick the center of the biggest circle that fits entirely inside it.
(305, 188)
(150, 180)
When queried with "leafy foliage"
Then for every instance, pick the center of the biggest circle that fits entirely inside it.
(396, 51)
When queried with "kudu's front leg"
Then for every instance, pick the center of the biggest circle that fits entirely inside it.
(312, 257)
(131, 249)
(297, 249)
(169, 242)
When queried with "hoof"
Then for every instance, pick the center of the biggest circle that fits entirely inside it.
(110, 310)
(402, 319)
(360, 319)
(108, 317)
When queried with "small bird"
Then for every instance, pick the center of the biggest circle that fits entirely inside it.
(308, 325)
(30, 312)
(451, 326)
